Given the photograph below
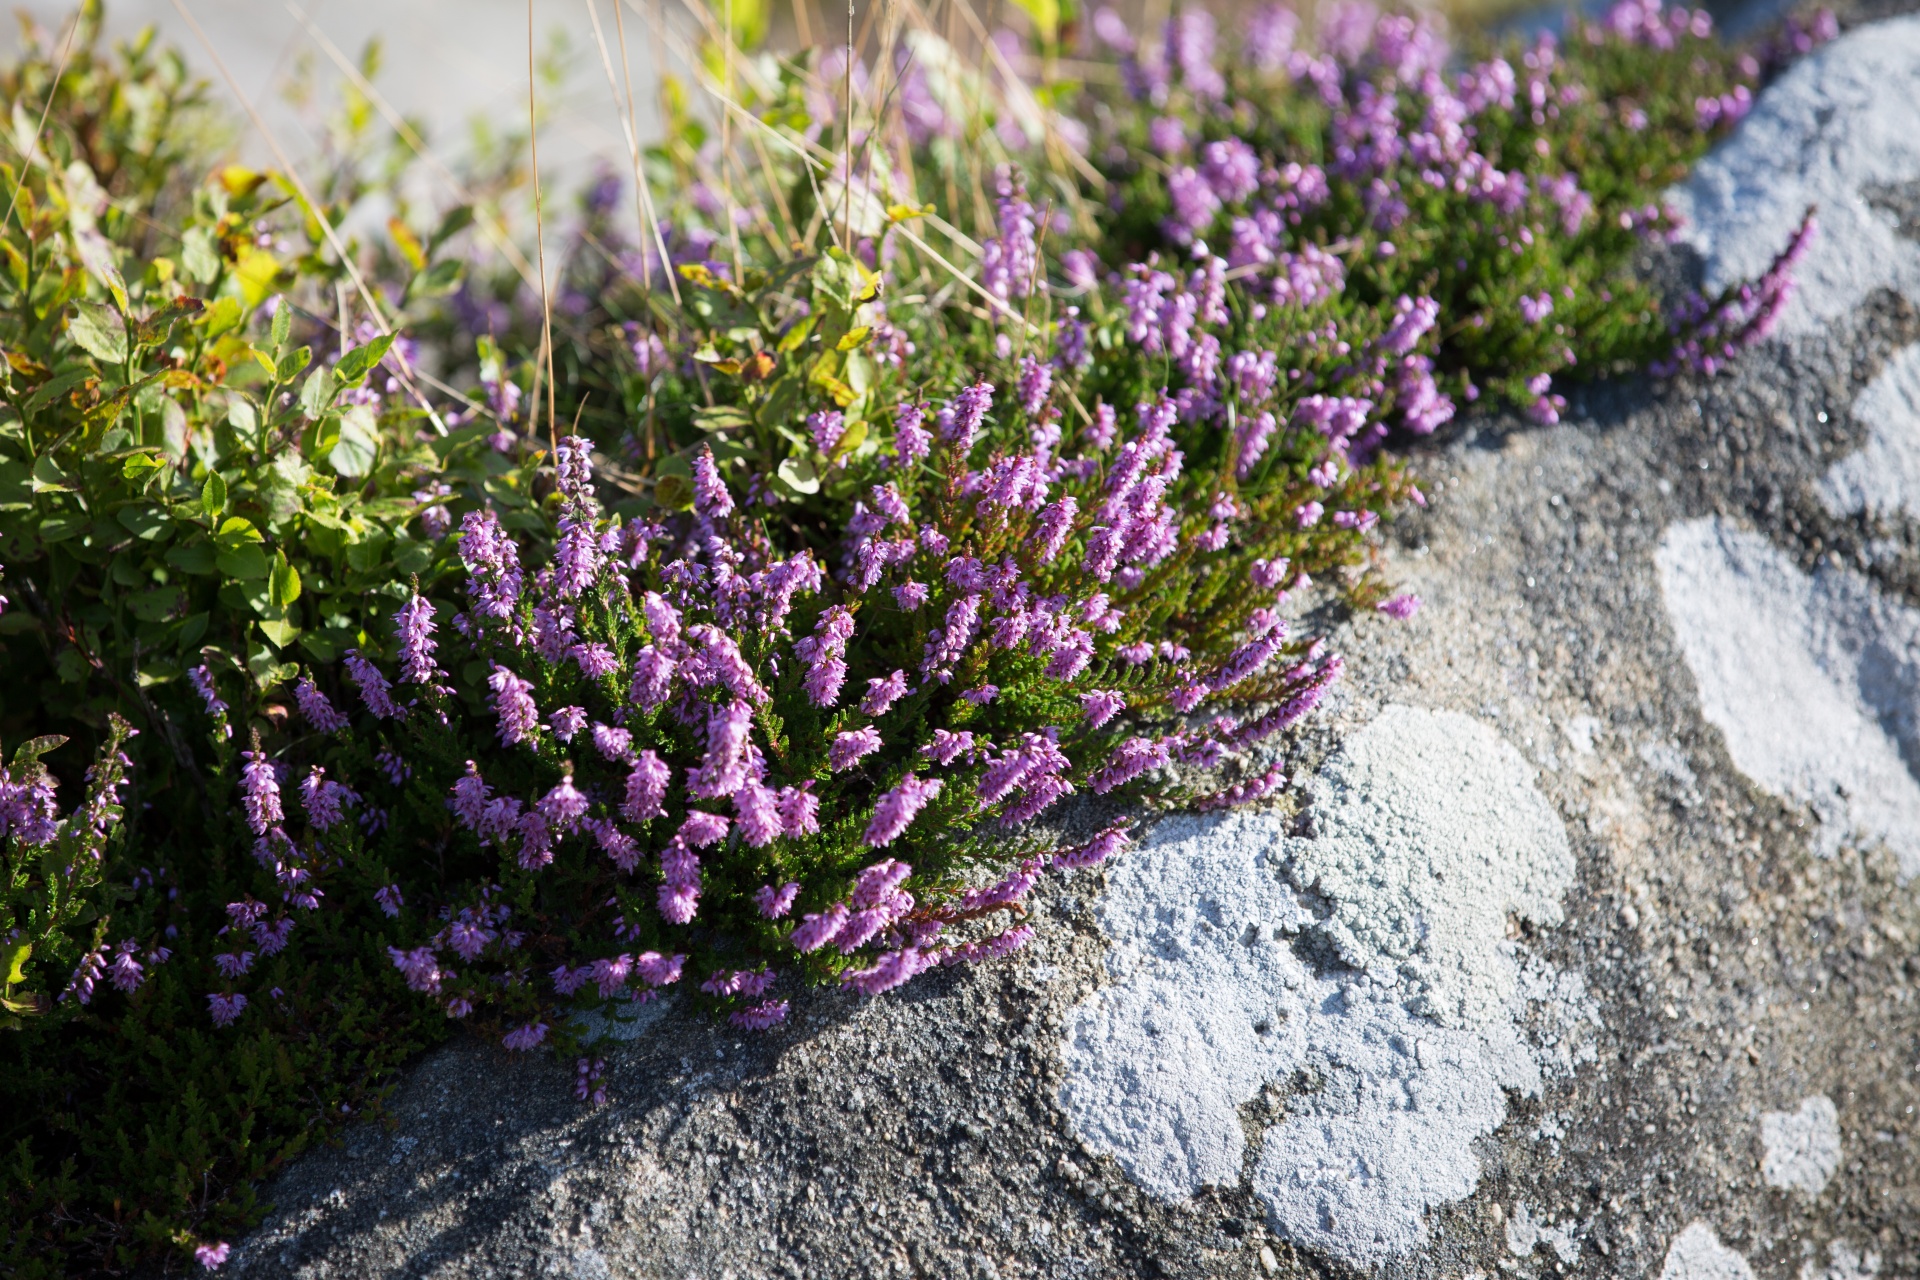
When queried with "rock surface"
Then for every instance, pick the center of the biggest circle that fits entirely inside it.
(1585, 943)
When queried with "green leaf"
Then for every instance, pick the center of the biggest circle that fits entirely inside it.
(195, 558)
(235, 532)
(291, 363)
(47, 475)
(675, 493)
(139, 466)
(16, 964)
(100, 331)
(158, 327)
(441, 278)
(282, 327)
(222, 315)
(242, 416)
(213, 495)
(33, 748)
(52, 390)
(456, 220)
(316, 393)
(722, 417)
(283, 587)
(244, 564)
(792, 338)
(155, 605)
(144, 521)
(281, 633)
(354, 453)
(798, 475)
(854, 337)
(353, 366)
(60, 528)
(199, 260)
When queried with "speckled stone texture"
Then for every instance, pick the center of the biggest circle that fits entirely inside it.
(1740, 1103)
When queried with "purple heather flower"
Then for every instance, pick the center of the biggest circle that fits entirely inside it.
(826, 427)
(1404, 605)
(564, 806)
(757, 811)
(882, 694)
(525, 1037)
(1252, 437)
(947, 746)
(897, 808)
(799, 810)
(911, 440)
(1132, 758)
(577, 558)
(678, 897)
(910, 595)
(702, 829)
(1102, 705)
(1534, 309)
(202, 680)
(1411, 321)
(470, 798)
(260, 791)
(1082, 269)
(646, 788)
(817, 930)
(125, 972)
(414, 627)
(1036, 381)
(613, 744)
(962, 417)
(892, 969)
(594, 660)
(760, 1017)
(372, 685)
(1166, 136)
(214, 1256)
(1009, 262)
(492, 559)
(324, 801)
(981, 695)
(851, 747)
(1308, 514)
(710, 497)
(536, 841)
(513, 704)
(315, 709)
(653, 674)
(390, 900)
(225, 1007)
(823, 652)
(775, 903)
(1095, 851)
(568, 721)
(573, 469)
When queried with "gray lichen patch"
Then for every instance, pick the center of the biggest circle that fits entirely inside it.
(1802, 1147)
(1697, 1254)
(1814, 679)
(1429, 837)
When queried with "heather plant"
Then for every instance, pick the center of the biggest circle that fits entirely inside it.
(675, 756)
(1516, 190)
(65, 934)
